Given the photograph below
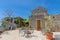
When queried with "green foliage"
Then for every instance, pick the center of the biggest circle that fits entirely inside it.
(17, 20)
(4, 23)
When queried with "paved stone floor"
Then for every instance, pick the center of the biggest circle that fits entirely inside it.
(10, 35)
(14, 35)
(37, 35)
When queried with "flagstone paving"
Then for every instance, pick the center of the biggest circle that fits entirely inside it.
(36, 35)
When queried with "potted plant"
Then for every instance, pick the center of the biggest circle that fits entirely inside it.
(49, 34)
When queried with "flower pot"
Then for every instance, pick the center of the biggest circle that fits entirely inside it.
(49, 36)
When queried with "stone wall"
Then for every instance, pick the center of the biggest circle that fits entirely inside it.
(37, 14)
(56, 22)
(33, 21)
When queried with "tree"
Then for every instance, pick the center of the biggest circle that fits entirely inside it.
(5, 22)
(17, 20)
(26, 22)
(21, 21)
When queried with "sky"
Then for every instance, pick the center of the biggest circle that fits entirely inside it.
(23, 8)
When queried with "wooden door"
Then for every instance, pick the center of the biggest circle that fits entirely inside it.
(38, 25)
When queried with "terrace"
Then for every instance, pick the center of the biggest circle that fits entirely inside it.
(36, 35)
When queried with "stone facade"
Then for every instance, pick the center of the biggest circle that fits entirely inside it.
(37, 14)
(56, 21)
(40, 13)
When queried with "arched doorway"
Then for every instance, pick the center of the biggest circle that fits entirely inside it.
(38, 25)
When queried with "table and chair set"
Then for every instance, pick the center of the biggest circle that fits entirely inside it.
(26, 31)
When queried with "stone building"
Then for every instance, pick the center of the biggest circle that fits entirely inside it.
(38, 18)
(56, 21)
